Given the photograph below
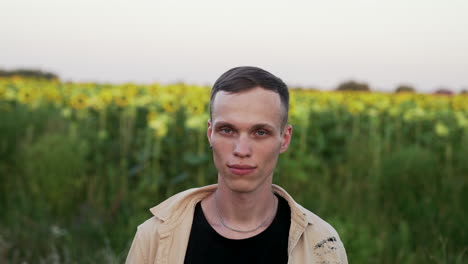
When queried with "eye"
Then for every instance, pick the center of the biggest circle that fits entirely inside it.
(225, 130)
(261, 132)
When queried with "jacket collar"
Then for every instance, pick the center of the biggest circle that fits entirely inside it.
(298, 212)
(174, 207)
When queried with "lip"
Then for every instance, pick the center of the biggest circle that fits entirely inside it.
(239, 169)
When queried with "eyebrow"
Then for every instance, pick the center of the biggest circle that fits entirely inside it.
(256, 126)
(266, 126)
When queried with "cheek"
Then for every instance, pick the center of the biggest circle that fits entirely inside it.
(217, 159)
(271, 146)
(221, 147)
(270, 152)
(221, 151)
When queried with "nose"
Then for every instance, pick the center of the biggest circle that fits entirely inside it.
(242, 147)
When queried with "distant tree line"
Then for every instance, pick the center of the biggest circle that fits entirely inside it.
(28, 73)
(353, 86)
(402, 88)
(345, 86)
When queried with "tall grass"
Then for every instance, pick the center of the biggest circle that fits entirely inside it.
(74, 185)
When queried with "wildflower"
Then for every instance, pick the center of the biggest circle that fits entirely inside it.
(97, 103)
(150, 116)
(26, 95)
(318, 107)
(394, 111)
(356, 107)
(302, 112)
(194, 108)
(2, 92)
(414, 114)
(121, 100)
(460, 103)
(160, 125)
(169, 102)
(105, 96)
(197, 122)
(51, 94)
(153, 89)
(382, 104)
(462, 121)
(57, 231)
(130, 90)
(441, 130)
(10, 95)
(372, 112)
(66, 112)
(79, 101)
(143, 100)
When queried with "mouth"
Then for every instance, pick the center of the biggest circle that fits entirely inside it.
(239, 169)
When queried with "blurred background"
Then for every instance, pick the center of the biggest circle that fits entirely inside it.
(103, 109)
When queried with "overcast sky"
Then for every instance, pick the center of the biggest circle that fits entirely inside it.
(308, 43)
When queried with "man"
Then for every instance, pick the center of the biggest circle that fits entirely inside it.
(244, 218)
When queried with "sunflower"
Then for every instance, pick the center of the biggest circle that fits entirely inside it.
(26, 95)
(79, 101)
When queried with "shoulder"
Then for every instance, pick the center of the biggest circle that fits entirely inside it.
(323, 239)
(172, 206)
(150, 226)
(317, 225)
(318, 237)
(145, 242)
(180, 202)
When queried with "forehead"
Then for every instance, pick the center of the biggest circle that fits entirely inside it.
(251, 107)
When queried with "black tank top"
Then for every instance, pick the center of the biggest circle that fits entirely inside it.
(270, 246)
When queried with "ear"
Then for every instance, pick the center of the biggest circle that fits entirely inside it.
(209, 131)
(286, 138)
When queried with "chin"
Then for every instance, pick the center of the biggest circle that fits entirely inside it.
(241, 185)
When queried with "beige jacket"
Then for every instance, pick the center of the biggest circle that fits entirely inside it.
(163, 238)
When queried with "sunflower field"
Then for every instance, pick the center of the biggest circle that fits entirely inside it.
(81, 164)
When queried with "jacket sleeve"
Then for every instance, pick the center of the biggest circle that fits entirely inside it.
(136, 255)
(342, 252)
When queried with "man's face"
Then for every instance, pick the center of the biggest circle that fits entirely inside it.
(246, 135)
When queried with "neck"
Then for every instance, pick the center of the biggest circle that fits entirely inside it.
(245, 208)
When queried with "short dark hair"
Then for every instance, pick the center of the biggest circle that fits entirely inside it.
(244, 78)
